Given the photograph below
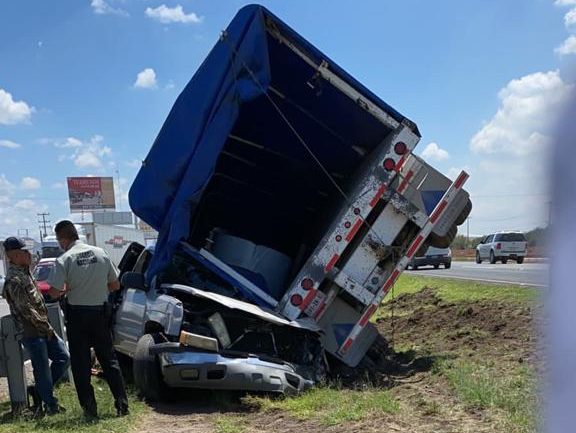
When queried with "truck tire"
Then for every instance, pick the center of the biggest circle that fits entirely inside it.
(478, 259)
(443, 241)
(492, 258)
(447, 265)
(520, 260)
(146, 369)
(464, 214)
(504, 261)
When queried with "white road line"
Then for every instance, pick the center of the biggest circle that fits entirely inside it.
(516, 283)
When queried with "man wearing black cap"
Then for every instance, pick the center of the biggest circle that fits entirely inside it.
(28, 308)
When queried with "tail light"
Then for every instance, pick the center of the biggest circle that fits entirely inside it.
(498, 245)
(400, 148)
(389, 164)
(296, 300)
(307, 283)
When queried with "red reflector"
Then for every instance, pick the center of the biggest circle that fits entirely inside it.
(296, 299)
(498, 246)
(307, 283)
(389, 164)
(400, 148)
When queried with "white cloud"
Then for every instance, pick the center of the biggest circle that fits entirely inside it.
(146, 79)
(13, 112)
(25, 205)
(30, 183)
(69, 142)
(511, 177)
(17, 214)
(9, 144)
(101, 7)
(85, 154)
(6, 187)
(570, 18)
(58, 185)
(435, 153)
(87, 159)
(567, 47)
(565, 2)
(167, 15)
(523, 122)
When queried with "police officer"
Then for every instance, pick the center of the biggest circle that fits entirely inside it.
(28, 308)
(86, 274)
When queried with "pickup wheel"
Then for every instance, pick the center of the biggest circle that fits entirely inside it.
(436, 266)
(414, 267)
(504, 261)
(478, 259)
(520, 260)
(492, 258)
(447, 265)
(146, 369)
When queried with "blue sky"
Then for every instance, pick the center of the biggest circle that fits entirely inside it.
(85, 86)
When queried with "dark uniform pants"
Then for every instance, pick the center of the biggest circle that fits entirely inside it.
(89, 327)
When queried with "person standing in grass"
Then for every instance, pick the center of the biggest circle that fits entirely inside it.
(88, 275)
(29, 310)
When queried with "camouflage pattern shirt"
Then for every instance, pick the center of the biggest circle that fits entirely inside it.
(26, 302)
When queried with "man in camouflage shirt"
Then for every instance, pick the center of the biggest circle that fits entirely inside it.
(28, 308)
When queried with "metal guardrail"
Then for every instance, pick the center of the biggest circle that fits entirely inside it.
(13, 355)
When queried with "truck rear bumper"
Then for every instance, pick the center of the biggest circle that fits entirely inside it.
(191, 369)
(430, 261)
(511, 255)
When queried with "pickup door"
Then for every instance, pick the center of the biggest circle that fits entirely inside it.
(129, 319)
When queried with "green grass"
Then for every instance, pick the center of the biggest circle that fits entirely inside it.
(230, 424)
(513, 394)
(453, 290)
(332, 406)
(72, 420)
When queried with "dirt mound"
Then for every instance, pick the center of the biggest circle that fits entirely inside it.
(423, 320)
(417, 324)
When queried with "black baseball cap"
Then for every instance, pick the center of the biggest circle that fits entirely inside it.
(12, 243)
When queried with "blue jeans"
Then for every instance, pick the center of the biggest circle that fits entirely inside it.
(46, 375)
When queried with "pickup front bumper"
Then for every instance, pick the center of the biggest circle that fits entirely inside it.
(186, 367)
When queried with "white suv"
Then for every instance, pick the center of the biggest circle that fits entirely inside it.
(502, 246)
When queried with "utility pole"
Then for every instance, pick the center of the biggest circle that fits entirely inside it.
(119, 188)
(43, 224)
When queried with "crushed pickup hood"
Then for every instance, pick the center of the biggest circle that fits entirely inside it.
(254, 310)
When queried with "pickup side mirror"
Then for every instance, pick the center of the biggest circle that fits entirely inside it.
(134, 280)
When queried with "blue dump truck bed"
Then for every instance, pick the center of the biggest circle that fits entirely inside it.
(250, 140)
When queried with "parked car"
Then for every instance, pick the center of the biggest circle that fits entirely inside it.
(433, 257)
(502, 246)
(42, 272)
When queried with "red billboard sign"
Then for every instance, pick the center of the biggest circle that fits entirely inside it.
(91, 193)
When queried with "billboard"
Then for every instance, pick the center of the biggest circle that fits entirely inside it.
(112, 218)
(91, 193)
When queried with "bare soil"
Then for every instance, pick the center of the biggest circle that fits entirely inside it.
(485, 331)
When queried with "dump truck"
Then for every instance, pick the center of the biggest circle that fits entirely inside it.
(288, 201)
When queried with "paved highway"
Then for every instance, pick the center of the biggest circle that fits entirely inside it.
(527, 274)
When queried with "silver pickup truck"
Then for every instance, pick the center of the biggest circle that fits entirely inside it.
(168, 330)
